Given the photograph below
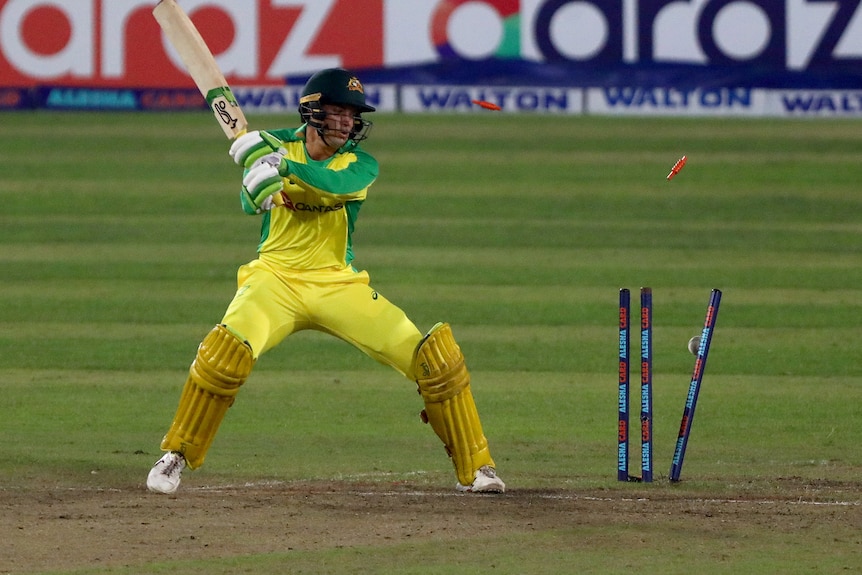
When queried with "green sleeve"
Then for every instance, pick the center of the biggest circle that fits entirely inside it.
(353, 179)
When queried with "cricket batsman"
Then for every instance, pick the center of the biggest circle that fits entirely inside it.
(307, 185)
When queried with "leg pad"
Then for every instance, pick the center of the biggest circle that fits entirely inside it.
(444, 383)
(221, 366)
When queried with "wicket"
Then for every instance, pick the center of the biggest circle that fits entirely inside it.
(624, 386)
(623, 393)
(694, 386)
(646, 413)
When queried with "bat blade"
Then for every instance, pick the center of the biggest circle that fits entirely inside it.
(201, 66)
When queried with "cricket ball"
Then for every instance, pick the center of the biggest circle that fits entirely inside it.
(694, 345)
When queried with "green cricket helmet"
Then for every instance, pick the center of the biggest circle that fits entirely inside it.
(339, 87)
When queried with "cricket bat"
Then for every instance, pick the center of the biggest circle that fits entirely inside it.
(201, 66)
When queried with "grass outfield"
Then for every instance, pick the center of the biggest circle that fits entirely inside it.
(120, 236)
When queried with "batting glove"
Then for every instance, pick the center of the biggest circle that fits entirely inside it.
(250, 147)
(264, 178)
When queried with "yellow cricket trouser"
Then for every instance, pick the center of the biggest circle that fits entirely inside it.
(271, 304)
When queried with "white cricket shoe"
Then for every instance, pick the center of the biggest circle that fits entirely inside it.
(486, 481)
(166, 474)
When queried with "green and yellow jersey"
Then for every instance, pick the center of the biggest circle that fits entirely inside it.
(311, 222)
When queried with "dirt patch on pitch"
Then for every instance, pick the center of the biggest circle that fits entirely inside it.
(66, 529)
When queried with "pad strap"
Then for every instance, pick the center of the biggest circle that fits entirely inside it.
(221, 366)
(444, 383)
